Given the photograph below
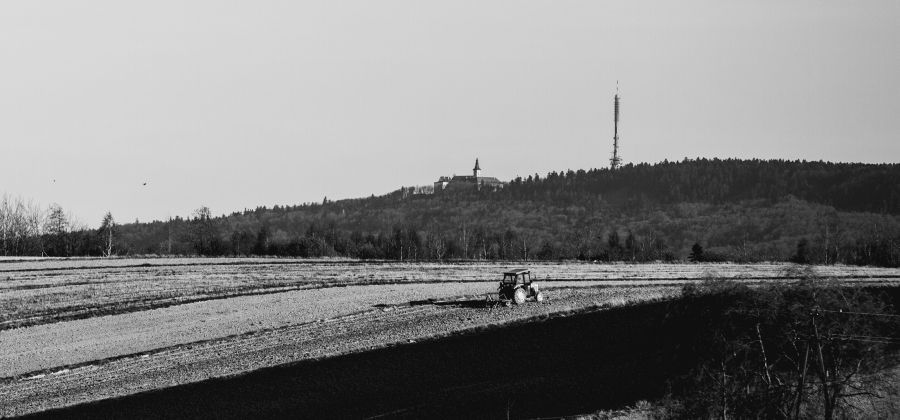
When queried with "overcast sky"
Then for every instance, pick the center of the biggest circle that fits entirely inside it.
(238, 104)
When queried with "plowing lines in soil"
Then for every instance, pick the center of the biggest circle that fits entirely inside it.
(359, 331)
(71, 334)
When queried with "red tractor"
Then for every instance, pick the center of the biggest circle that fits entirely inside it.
(517, 287)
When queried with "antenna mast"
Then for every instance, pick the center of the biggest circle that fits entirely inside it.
(616, 159)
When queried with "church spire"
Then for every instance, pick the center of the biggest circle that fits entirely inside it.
(477, 170)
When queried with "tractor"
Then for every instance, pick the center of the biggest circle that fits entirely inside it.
(517, 287)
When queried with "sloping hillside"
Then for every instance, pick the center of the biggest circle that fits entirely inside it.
(742, 210)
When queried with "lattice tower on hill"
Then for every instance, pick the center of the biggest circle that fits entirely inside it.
(616, 159)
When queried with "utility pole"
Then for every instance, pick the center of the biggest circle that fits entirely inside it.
(616, 159)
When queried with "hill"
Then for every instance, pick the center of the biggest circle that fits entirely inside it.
(739, 210)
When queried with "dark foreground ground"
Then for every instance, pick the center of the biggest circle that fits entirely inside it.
(554, 367)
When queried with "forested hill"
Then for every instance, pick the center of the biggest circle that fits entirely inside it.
(740, 210)
(845, 186)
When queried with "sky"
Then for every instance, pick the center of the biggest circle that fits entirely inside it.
(238, 104)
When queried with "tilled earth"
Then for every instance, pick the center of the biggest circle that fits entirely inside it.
(378, 325)
(75, 331)
(47, 291)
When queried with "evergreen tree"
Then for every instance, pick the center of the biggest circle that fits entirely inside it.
(696, 253)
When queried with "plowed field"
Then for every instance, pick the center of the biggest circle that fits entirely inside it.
(90, 332)
(45, 291)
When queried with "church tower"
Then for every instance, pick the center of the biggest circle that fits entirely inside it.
(477, 170)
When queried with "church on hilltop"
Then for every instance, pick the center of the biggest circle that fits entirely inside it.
(467, 182)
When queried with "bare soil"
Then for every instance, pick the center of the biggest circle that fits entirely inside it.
(77, 331)
(46, 291)
(24, 350)
(379, 325)
(552, 366)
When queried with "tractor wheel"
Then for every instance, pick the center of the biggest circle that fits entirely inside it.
(539, 297)
(519, 296)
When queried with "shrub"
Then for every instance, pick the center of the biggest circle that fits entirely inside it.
(783, 351)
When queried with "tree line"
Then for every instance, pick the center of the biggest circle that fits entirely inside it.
(736, 210)
(844, 186)
(27, 229)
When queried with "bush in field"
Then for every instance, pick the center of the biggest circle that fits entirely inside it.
(808, 350)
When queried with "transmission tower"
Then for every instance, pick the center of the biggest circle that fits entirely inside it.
(616, 159)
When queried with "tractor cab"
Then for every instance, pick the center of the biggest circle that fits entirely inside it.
(517, 276)
(517, 287)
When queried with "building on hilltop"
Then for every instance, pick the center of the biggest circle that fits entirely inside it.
(467, 182)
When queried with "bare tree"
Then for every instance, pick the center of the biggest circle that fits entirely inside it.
(57, 222)
(20, 226)
(57, 227)
(34, 220)
(13, 225)
(808, 350)
(5, 225)
(465, 240)
(107, 226)
(204, 231)
(435, 240)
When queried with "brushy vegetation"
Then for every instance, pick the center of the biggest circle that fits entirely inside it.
(814, 349)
